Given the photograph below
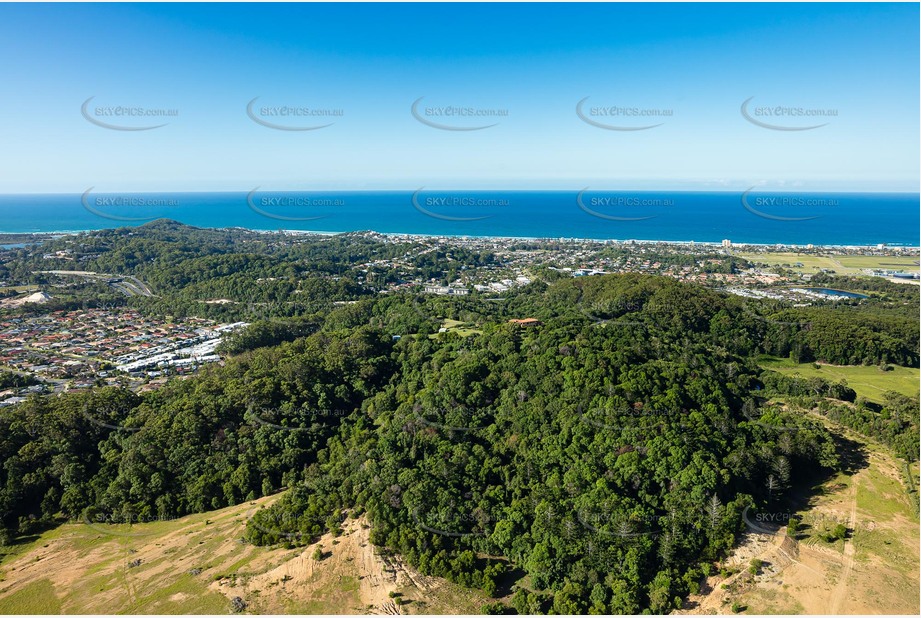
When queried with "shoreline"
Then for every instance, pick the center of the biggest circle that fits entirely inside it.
(777, 246)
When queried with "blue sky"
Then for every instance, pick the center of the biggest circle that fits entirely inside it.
(533, 62)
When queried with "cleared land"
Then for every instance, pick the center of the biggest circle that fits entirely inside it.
(197, 564)
(841, 264)
(868, 381)
(871, 261)
(456, 326)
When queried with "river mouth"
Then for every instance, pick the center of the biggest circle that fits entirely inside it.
(831, 292)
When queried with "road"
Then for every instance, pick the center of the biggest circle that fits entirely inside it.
(840, 592)
(128, 285)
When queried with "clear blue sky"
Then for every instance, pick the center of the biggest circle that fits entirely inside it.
(536, 61)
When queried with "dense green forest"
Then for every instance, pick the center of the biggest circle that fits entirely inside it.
(597, 462)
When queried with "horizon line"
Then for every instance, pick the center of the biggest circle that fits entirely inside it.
(501, 190)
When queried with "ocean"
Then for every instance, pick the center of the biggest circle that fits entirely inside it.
(755, 217)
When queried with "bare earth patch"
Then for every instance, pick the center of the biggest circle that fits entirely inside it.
(198, 565)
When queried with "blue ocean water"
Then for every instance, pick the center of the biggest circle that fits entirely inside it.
(758, 216)
(831, 292)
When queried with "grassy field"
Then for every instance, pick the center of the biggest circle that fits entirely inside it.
(867, 381)
(35, 598)
(873, 261)
(810, 262)
(841, 264)
(146, 568)
(456, 326)
(197, 564)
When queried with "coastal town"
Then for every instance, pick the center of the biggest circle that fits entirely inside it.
(56, 350)
(72, 350)
(753, 267)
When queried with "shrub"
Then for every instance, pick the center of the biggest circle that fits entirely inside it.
(494, 609)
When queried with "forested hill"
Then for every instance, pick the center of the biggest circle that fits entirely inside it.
(601, 458)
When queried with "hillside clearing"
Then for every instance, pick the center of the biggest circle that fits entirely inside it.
(867, 381)
(198, 564)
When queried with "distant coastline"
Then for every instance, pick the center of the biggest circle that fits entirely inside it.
(420, 236)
